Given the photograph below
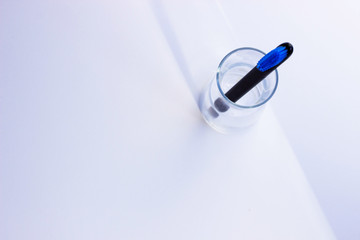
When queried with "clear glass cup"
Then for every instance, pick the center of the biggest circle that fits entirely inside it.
(221, 113)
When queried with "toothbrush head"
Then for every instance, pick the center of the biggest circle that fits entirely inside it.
(274, 58)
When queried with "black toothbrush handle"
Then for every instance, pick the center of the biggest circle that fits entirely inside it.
(248, 82)
(255, 76)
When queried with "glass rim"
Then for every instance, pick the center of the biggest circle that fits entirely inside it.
(223, 94)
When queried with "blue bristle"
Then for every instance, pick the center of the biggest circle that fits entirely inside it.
(272, 59)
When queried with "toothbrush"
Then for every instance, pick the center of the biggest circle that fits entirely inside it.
(264, 67)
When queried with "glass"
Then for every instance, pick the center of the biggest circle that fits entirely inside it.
(221, 113)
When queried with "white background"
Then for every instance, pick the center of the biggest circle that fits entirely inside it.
(80, 46)
(318, 102)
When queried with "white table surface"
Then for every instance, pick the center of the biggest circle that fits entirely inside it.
(317, 102)
(101, 137)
